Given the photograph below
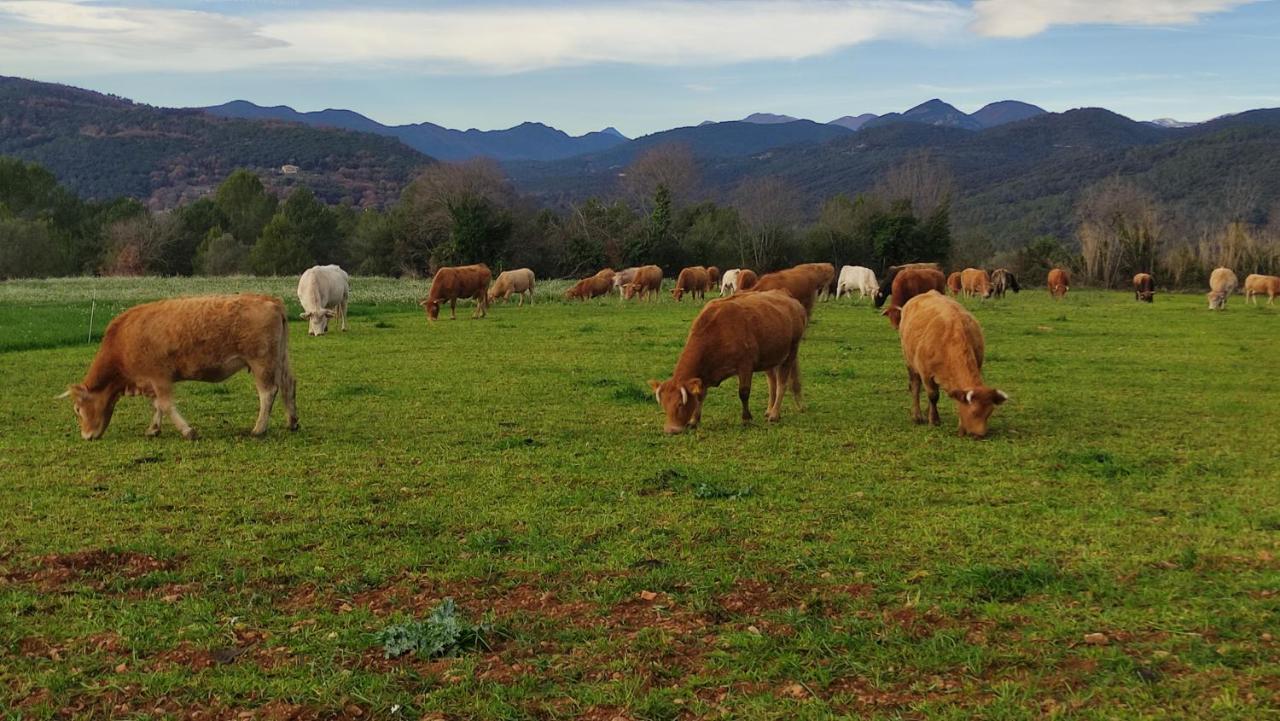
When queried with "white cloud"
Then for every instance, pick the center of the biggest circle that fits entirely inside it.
(1024, 18)
(44, 35)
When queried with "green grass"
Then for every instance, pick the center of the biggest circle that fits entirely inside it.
(841, 563)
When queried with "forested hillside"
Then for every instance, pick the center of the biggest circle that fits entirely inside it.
(102, 146)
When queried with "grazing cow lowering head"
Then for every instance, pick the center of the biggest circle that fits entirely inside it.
(318, 320)
(93, 410)
(681, 401)
(974, 407)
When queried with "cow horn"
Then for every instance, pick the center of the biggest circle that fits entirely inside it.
(1003, 396)
(684, 395)
(63, 394)
(968, 397)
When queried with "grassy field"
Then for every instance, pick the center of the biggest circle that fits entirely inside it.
(1110, 551)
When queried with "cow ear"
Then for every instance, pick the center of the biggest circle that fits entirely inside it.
(654, 386)
(695, 386)
(961, 395)
(304, 314)
(1000, 397)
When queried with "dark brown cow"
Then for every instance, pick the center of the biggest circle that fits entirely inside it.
(462, 281)
(1144, 287)
(747, 279)
(1059, 283)
(593, 287)
(943, 346)
(646, 281)
(909, 283)
(713, 273)
(695, 281)
(802, 282)
(1002, 280)
(953, 283)
(149, 347)
(740, 335)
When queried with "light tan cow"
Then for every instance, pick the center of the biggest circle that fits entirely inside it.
(519, 281)
(975, 282)
(149, 347)
(646, 282)
(1256, 285)
(1222, 283)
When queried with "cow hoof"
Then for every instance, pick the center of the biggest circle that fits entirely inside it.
(152, 432)
(293, 426)
(190, 434)
(773, 418)
(918, 421)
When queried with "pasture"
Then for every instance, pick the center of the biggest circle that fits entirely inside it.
(1110, 551)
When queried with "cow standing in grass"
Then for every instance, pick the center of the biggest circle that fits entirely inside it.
(622, 278)
(729, 282)
(1256, 285)
(943, 347)
(646, 282)
(909, 283)
(1222, 283)
(975, 282)
(1059, 283)
(149, 347)
(747, 279)
(954, 283)
(740, 335)
(452, 283)
(693, 280)
(593, 287)
(802, 282)
(1001, 281)
(323, 291)
(859, 278)
(519, 281)
(1144, 288)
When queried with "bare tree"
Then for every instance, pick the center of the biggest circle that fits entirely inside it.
(1120, 228)
(669, 164)
(921, 179)
(136, 246)
(770, 210)
(423, 217)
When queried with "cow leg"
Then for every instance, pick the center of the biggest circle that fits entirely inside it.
(792, 370)
(164, 404)
(267, 389)
(453, 309)
(744, 392)
(776, 382)
(289, 392)
(931, 386)
(153, 430)
(342, 311)
(913, 388)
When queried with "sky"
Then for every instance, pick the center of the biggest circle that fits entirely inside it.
(648, 65)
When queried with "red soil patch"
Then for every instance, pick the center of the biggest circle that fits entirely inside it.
(56, 570)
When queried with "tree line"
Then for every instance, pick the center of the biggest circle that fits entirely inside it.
(469, 212)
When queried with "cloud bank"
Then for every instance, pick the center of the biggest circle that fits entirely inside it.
(50, 37)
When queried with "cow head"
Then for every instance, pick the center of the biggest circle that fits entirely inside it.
(93, 410)
(894, 314)
(975, 406)
(432, 307)
(1148, 296)
(677, 292)
(1217, 300)
(318, 320)
(628, 290)
(681, 402)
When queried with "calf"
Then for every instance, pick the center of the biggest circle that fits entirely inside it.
(1001, 281)
(856, 277)
(592, 287)
(729, 283)
(694, 281)
(1256, 285)
(645, 282)
(801, 282)
(519, 281)
(1059, 283)
(975, 282)
(1222, 283)
(954, 283)
(943, 346)
(1144, 288)
(740, 335)
(149, 347)
(323, 291)
(452, 283)
(909, 283)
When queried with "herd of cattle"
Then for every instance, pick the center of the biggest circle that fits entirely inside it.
(756, 325)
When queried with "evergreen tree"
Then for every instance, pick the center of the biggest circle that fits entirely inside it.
(246, 204)
(281, 249)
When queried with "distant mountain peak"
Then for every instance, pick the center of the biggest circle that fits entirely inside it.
(614, 132)
(854, 122)
(768, 119)
(1006, 111)
(1171, 123)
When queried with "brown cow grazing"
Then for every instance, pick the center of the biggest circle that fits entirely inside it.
(1256, 285)
(646, 281)
(886, 283)
(740, 335)
(1002, 280)
(747, 279)
(827, 273)
(519, 281)
(908, 284)
(943, 346)
(953, 283)
(693, 281)
(452, 283)
(1144, 288)
(714, 274)
(149, 347)
(1222, 283)
(975, 282)
(1059, 283)
(802, 282)
(592, 287)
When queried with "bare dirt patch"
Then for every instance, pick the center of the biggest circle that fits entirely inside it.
(93, 567)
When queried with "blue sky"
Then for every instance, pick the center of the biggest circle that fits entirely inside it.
(647, 65)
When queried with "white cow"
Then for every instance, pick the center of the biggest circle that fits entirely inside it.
(856, 277)
(622, 278)
(323, 291)
(729, 282)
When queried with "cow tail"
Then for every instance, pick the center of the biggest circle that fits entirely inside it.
(284, 373)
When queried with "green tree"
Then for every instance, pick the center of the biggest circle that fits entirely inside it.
(194, 223)
(314, 224)
(221, 254)
(480, 231)
(371, 248)
(246, 204)
(281, 249)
